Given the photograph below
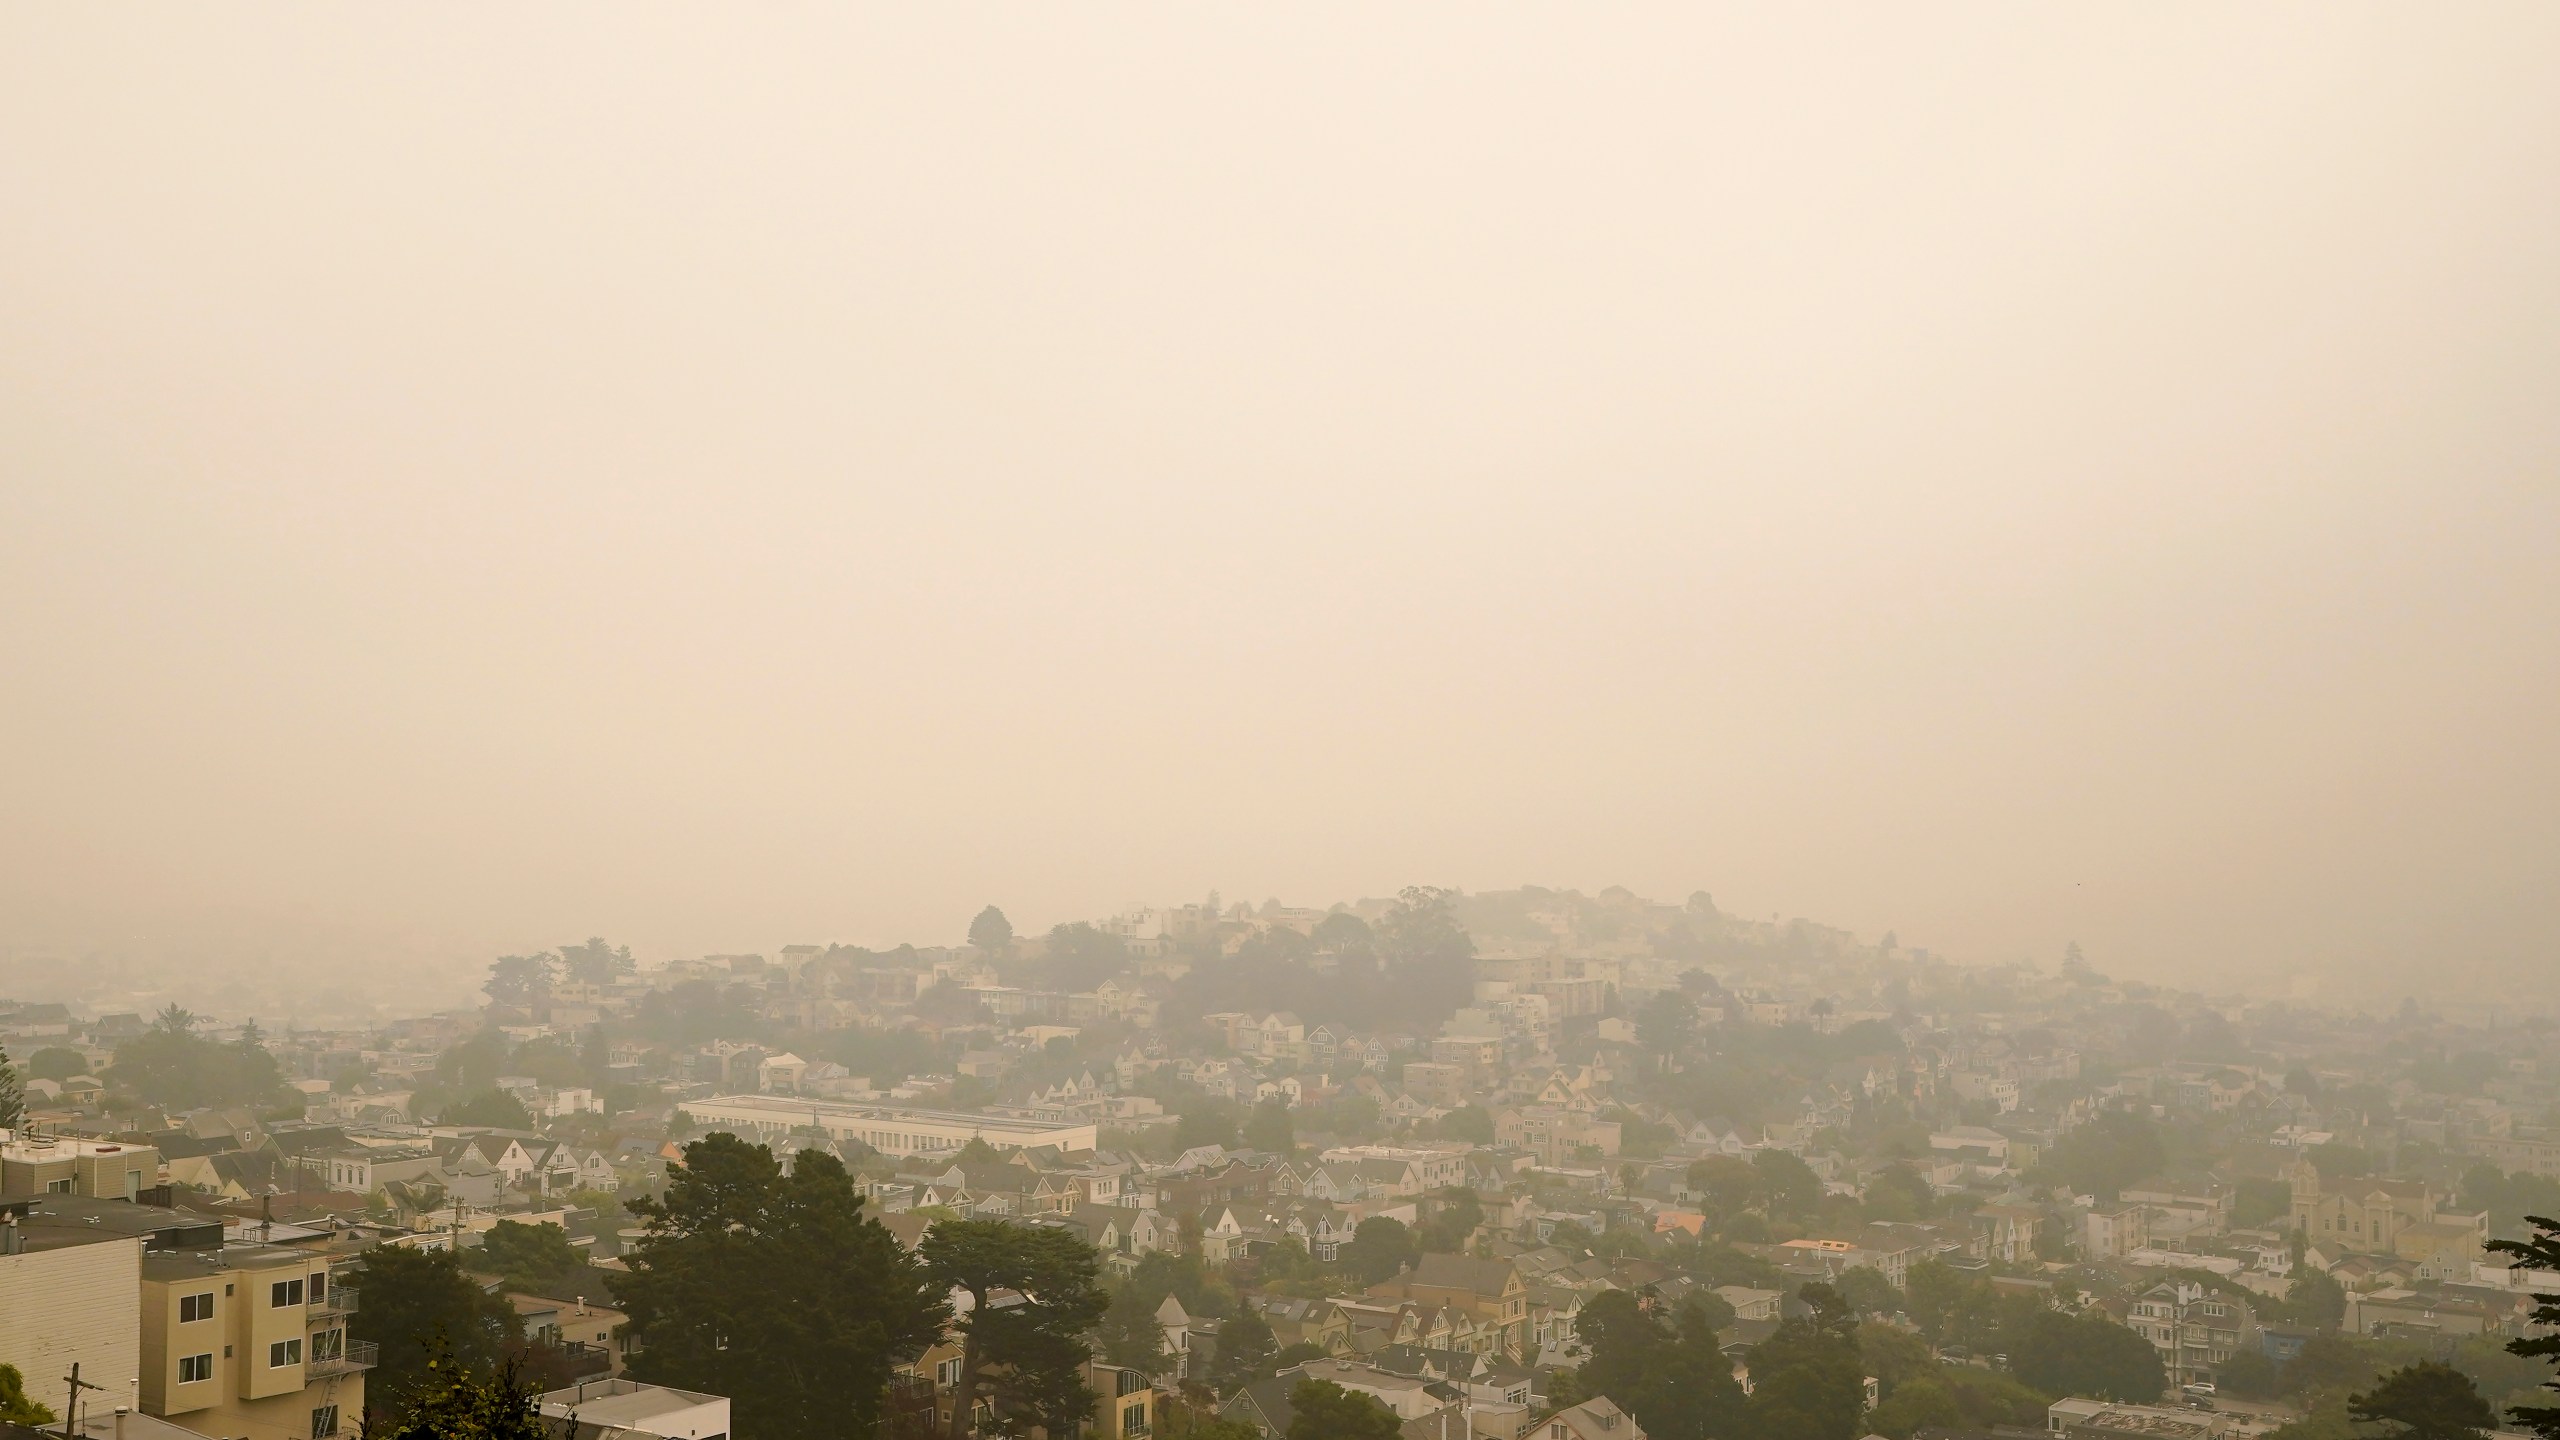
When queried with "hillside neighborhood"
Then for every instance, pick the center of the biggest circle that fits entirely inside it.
(1498, 1165)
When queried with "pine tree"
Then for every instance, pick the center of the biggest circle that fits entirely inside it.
(13, 1094)
(2542, 1252)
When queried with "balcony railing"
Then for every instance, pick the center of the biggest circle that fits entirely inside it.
(584, 1361)
(337, 1300)
(356, 1355)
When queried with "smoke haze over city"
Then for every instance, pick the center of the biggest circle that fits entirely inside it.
(725, 478)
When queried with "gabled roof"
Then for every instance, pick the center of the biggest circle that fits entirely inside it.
(1464, 1272)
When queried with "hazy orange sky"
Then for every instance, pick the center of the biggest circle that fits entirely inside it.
(723, 476)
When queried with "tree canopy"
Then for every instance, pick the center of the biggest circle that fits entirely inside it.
(1671, 1377)
(535, 1257)
(1322, 1410)
(171, 1064)
(991, 932)
(2086, 1355)
(420, 1306)
(453, 1400)
(1380, 1246)
(489, 1109)
(1033, 1293)
(775, 1290)
(2425, 1401)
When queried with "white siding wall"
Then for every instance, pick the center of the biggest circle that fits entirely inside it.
(81, 1302)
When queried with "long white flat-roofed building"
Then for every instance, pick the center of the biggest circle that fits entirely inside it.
(890, 1129)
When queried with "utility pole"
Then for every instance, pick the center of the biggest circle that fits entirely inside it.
(71, 1411)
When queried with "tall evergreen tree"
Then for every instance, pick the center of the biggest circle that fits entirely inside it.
(2541, 1252)
(13, 1094)
(774, 1290)
(1808, 1380)
(1033, 1295)
(991, 932)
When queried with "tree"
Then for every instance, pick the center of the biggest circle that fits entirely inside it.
(1666, 1024)
(1079, 957)
(2086, 1355)
(2316, 1299)
(456, 1401)
(2541, 1252)
(1322, 1410)
(517, 981)
(1268, 1128)
(1342, 932)
(991, 932)
(1673, 1379)
(2427, 1401)
(1245, 1347)
(13, 1095)
(1957, 1399)
(2249, 1374)
(1379, 1248)
(1471, 1123)
(1036, 1344)
(1447, 1230)
(777, 1291)
(531, 1256)
(1422, 927)
(1792, 1186)
(1729, 1185)
(490, 1109)
(1867, 1292)
(2107, 1154)
(1213, 1123)
(596, 963)
(57, 1062)
(15, 1405)
(420, 1306)
(1808, 1379)
(171, 1064)
(1129, 1334)
(1898, 1193)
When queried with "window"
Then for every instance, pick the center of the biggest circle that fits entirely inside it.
(319, 1286)
(283, 1353)
(324, 1422)
(1133, 1421)
(947, 1374)
(331, 1344)
(192, 1308)
(283, 1293)
(192, 1368)
(57, 1187)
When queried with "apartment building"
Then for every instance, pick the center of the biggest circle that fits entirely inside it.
(2113, 1233)
(64, 1165)
(250, 1339)
(2195, 1330)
